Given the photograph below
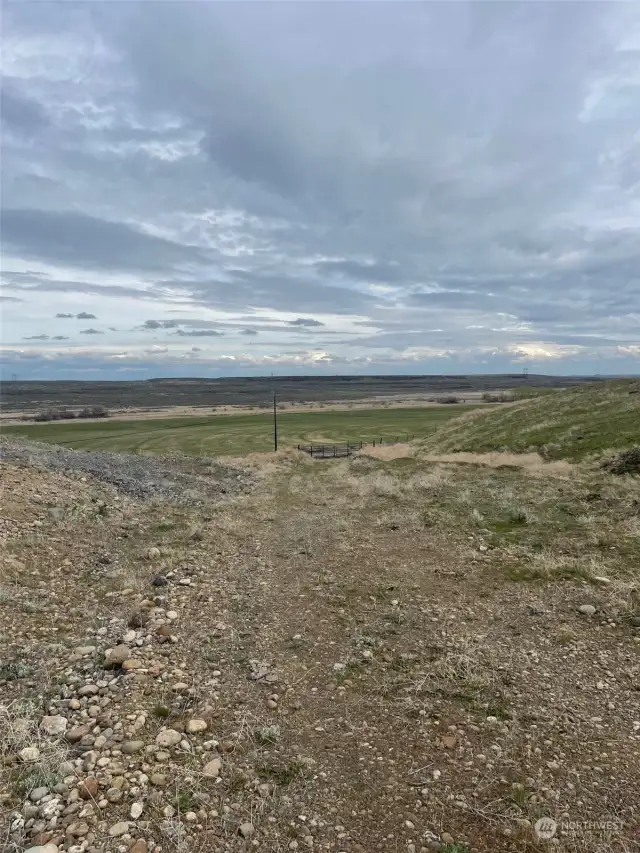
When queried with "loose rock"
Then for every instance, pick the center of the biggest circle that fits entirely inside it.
(168, 737)
(195, 726)
(117, 656)
(54, 725)
(212, 768)
(245, 830)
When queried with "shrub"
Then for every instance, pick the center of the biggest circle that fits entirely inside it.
(626, 462)
(502, 397)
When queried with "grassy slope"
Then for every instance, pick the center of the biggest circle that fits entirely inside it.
(239, 434)
(564, 425)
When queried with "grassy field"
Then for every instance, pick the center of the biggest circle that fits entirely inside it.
(240, 434)
(572, 424)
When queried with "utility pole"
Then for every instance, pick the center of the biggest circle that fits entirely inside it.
(275, 423)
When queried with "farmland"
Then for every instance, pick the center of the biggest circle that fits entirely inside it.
(240, 434)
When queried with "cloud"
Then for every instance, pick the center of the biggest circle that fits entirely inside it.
(91, 332)
(59, 338)
(85, 316)
(159, 324)
(64, 316)
(199, 333)
(196, 349)
(10, 299)
(306, 322)
(37, 338)
(450, 186)
(78, 239)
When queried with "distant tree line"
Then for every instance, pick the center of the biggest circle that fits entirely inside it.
(502, 397)
(64, 414)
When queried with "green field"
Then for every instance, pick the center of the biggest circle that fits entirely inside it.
(240, 434)
(574, 424)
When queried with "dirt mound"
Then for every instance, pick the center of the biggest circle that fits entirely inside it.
(181, 479)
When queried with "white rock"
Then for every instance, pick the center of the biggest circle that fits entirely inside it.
(212, 768)
(587, 609)
(54, 725)
(245, 830)
(29, 753)
(136, 810)
(195, 726)
(42, 848)
(601, 580)
(168, 737)
(119, 828)
(171, 615)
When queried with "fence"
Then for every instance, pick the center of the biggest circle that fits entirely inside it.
(337, 451)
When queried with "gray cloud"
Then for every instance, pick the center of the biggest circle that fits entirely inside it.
(64, 316)
(159, 324)
(84, 315)
(59, 338)
(199, 333)
(20, 112)
(306, 322)
(68, 237)
(11, 299)
(91, 332)
(37, 338)
(442, 176)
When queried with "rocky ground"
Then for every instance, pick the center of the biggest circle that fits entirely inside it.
(358, 656)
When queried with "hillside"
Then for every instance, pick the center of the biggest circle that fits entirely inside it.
(573, 424)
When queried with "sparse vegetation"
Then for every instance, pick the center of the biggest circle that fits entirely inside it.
(577, 424)
(402, 651)
(63, 414)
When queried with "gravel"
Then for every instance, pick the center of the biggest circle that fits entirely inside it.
(175, 479)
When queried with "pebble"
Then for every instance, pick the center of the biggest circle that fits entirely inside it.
(195, 726)
(29, 753)
(159, 580)
(212, 768)
(635, 621)
(587, 610)
(42, 848)
(245, 830)
(119, 828)
(136, 810)
(77, 733)
(88, 790)
(158, 779)
(117, 655)
(139, 846)
(131, 746)
(54, 725)
(38, 793)
(168, 737)
(446, 838)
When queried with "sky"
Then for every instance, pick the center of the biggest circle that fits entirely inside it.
(206, 189)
